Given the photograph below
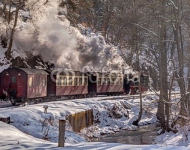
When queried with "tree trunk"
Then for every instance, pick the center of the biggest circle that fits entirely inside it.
(136, 122)
(162, 67)
(136, 48)
(8, 52)
(179, 44)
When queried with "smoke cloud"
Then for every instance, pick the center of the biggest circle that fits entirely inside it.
(57, 41)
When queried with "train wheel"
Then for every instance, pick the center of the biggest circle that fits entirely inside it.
(35, 101)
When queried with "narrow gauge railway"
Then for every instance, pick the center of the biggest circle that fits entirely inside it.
(21, 85)
(103, 97)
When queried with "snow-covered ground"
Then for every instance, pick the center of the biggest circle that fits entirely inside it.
(31, 125)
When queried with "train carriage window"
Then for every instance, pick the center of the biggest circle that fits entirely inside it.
(61, 84)
(30, 82)
(75, 81)
(117, 80)
(80, 81)
(108, 81)
(113, 81)
(13, 79)
(61, 81)
(58, 81)
(85, 80)
(70, 81)
(99, 81)
(104, 81)
(64, 81)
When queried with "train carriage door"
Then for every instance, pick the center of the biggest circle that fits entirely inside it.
(13, 83)
(13, 87)
(92, 83)
(13, 79)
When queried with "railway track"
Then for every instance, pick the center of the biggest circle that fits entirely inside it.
(5, 104)
(125, 97)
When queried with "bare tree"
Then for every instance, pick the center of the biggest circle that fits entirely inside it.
(11, 13)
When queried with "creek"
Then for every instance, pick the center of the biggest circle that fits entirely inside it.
(142, 136)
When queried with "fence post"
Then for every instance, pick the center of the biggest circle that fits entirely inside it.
(61, 141)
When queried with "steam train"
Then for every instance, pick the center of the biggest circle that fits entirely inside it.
(25, 84)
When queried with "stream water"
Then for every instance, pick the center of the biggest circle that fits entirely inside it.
(144, 135)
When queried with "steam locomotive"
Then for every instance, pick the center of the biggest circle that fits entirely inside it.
(25, 84)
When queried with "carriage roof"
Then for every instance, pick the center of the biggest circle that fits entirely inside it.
(33, 71)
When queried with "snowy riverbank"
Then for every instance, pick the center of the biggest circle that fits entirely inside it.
(32, 120)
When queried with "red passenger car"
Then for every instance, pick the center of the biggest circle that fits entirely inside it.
(105, 83)
(67, 83)
(22, 84)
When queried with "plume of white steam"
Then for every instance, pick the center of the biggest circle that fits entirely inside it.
(52, 36)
